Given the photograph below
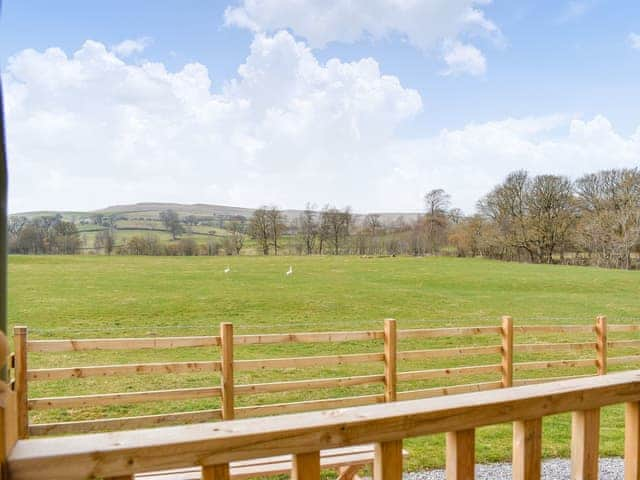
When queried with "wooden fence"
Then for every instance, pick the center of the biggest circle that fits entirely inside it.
(227, 390)
(121, 455)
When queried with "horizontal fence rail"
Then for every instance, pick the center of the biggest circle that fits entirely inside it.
(394, 378)
(121, 455)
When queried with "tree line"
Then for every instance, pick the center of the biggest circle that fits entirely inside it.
(593, 220)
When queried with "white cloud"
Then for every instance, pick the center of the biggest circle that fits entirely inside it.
(425, 24)
(92, 129)
(634, 41)
(128, 47)
(464, 59)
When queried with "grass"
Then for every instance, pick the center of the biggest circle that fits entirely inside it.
(99, 296)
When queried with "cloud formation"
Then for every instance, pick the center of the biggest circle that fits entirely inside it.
(634, 41)
(90, 129)
(128, 47)
(464, 59)
(430, 25)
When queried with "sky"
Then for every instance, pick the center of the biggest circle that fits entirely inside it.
(361, 103)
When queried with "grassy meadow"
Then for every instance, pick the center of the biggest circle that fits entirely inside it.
(100, 296)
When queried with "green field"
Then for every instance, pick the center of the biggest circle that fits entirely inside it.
(100, 296)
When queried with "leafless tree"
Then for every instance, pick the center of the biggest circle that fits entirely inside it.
(309, 228)
(259, 229)
(437, 203)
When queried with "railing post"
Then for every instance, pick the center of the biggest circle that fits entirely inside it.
(226, 370)
(390, 360)
(20, 345)
(388, 461)
(585, 440)
(216, 472)
(506, 335)
(527, 449)
(306, 466)
(461, 455)
(601, 344)
(632, 441)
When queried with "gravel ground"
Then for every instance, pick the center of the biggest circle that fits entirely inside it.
(557, 469)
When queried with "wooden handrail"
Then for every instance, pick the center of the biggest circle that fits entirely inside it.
(126, 453)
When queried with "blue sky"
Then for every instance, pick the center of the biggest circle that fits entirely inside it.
(570, 59)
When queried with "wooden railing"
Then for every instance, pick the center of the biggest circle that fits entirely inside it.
(391, 377)
(213, 446)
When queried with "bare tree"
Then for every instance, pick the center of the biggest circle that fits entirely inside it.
(171, 221)
(105, 240)
(337, 224)
(309, 228)
(235, 239)
(259, 229)
(277, 226)
(437, 203)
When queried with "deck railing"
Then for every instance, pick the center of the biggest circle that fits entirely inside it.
(386, 370)
(212, 446)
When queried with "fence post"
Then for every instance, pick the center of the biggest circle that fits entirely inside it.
(527, 448)
(506, 335)
(632, 441)
(388, 460)
(461, 455)
(306, 466)
(390, 360)
(585, 440)
(601, 344)
(20, 345)
(226, 370)
(216, 472)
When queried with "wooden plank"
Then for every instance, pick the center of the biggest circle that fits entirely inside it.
(79, 457)
(623, 328)
(585, 441)
(306, 466)
(259, 388)
(553, 347)
(452, 390)
(216, 472)
(536, 381)
(390, 360)
(72, 345)
(303, 362)
(305, 406)
(312, 337)
(587, 362)
(623, 359)
(448, 352)
(624, 344)
(358, 457)
(601, 345)
(388, 461)
(126, 369)
(46, 403)
(447, 332)
(445, 372)
(226, 375)
(124, 423)
(523, 329)
(21, 384)
(461, 455)
(632, 441)
(506, 351)
(527, 449)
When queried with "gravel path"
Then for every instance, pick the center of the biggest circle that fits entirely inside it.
(557, 469)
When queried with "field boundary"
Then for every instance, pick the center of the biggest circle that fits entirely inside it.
(503, 369)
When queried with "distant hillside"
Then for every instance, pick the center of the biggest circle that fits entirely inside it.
(151, 211)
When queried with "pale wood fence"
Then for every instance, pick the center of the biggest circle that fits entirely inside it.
(121, 455)
(505, 370)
